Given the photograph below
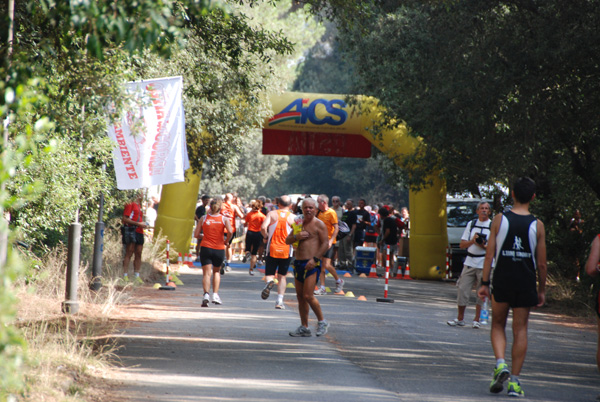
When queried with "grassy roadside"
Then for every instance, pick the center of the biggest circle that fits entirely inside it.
(67, 355)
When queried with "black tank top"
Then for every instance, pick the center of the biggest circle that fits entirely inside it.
(515, 256)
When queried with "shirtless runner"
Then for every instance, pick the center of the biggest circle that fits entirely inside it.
(313, 243)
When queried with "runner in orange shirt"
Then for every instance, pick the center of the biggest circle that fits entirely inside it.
(210, 231)
(275, 228)
(329, 218)
(254, 238)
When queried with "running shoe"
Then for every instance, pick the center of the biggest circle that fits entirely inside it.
(339, 286)
(251, 272)
(246, 256)
(476, 324)
(279, 306)
(456, 323)
(222, 269)
(205, 300)
(320, 291)
(501, 374)
(301, 331)
(216, 299)
(267, 290)
(514, 389)
(322, 328)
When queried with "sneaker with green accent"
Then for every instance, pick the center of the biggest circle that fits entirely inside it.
(501, 374)
(514, 389)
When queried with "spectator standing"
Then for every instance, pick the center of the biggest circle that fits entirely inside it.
(389, 237)
(133, 236)
(357, 221)
(339, 211)
(518, 244)
(345, 245)
(474, 239)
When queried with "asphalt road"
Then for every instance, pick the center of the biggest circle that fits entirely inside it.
(401, 351)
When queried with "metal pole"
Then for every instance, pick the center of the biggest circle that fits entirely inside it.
(71, 305)
(98, 246)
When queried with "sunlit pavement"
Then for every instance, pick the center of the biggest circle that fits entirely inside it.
(401, 351)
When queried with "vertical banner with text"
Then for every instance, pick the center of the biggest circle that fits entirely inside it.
(150, 138)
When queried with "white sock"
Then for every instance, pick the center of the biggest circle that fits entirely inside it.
(280, 299)
(499, 362)
(137, 274)
(514, 378)
(124, 275)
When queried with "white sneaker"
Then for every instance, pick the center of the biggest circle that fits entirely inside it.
(320, 292)
(216, 299)
(339, 286)
(279, 306)
(322, 327)
(456, 323)
(205, 300)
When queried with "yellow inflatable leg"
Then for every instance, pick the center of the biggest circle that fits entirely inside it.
(176, 210)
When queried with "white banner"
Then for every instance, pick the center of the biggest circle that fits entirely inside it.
(151, 148)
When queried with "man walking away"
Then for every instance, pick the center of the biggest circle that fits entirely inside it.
(518, 244)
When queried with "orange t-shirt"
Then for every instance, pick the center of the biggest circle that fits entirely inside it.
(329, 218)
(254, 219)
(213, 228)
(227, 212)
(278, 231)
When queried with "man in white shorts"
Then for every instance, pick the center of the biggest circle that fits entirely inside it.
(474, 239)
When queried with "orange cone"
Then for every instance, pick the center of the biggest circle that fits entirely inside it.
(179, 260)
(407, 272)
(373, 272)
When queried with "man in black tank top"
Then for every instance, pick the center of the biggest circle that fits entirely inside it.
(517, 244)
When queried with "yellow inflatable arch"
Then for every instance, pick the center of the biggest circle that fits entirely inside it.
(323, 124)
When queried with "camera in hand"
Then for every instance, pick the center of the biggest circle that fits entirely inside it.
(481, 238)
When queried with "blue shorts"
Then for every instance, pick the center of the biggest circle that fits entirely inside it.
(301, 274)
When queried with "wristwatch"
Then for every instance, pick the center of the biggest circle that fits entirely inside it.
(315, 259)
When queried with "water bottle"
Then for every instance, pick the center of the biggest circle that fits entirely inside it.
(485, 311)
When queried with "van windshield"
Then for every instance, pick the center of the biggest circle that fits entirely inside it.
(460, 213)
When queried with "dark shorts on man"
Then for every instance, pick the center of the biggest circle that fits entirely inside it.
(211, 256)
(329, 253)
(276, 265)
(253, 242)
(300, 273)
(129, 235)
(516, 298)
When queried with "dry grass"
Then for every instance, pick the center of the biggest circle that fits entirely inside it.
(68, 354)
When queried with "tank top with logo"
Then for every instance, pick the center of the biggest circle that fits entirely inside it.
(213, 228)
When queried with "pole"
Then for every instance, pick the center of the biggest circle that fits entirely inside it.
(98, 245)
(71, 305)
(385, 298)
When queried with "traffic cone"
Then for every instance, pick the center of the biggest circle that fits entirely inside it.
(407, 272)
(399, 271)
(179, 260)
(373, 272)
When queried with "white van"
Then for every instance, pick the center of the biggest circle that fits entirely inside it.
(459, 212)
